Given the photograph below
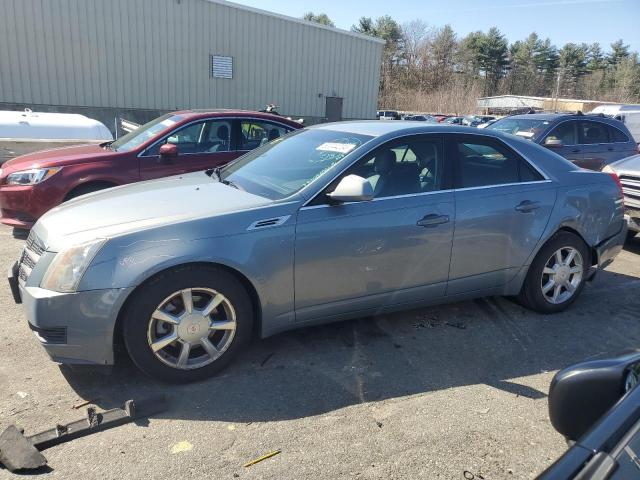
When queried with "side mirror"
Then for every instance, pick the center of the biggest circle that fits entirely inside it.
(553, 143)
(168, 152)
(581, 394)
(352, 188)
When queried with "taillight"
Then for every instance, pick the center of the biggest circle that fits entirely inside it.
(616, 178)
(638, 147)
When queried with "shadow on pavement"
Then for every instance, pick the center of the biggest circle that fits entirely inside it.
(317, 370)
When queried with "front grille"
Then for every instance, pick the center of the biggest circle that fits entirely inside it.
(631, 189)
(50, 335)
(31, 253)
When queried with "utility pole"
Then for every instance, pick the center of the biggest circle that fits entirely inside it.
(558, 89)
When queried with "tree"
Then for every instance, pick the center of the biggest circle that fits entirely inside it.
(321, 18)
(619, 51)
(573, 67)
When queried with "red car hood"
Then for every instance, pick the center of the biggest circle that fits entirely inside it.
(57, 157)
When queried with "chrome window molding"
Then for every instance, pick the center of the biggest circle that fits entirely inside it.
(230, 119)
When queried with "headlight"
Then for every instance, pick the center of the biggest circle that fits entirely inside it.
(68, 266)
(31, 177)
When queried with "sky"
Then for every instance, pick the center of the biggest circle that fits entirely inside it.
(563, 21)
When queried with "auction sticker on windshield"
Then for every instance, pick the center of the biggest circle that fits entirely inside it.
(343, 148)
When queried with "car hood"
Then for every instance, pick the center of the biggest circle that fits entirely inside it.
(138, 206)
(57, 157)
(628, 165)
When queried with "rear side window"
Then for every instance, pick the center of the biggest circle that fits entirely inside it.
(483, 162)
(617, 135)
(566, 132)
(593, 132)
(254, 133)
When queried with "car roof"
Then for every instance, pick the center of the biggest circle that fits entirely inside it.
(227, 112)
(376, 128)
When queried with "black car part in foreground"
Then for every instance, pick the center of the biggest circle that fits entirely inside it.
(596, 404)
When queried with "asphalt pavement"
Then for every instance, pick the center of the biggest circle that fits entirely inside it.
(427, 393)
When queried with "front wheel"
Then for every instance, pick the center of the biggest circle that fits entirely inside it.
(557, 275)
(187, 324)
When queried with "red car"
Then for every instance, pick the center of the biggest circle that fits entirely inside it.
(175, 143)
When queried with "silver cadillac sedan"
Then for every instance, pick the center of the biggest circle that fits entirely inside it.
(328, 223)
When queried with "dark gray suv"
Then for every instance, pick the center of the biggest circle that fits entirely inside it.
(589, 141)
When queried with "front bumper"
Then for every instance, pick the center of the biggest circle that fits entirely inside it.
(17, 206)
(74, 328)
(632, 215)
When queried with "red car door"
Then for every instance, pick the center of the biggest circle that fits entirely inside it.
(201, 145)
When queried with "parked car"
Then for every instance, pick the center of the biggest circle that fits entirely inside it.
(475, 120)
(453, 121)
(627, 171)
(336, 221)
(588, 141)
(594, 404)
(421, 118)
(388, 115)
(177, 142)
(440, 117)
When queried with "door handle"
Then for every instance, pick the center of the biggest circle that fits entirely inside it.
(527, 206)
(433, 220)
(610, 149)
(575, 150)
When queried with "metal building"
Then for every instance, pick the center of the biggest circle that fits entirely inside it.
(138, 58)
(506, 104)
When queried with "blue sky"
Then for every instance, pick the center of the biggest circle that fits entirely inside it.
(563, 21)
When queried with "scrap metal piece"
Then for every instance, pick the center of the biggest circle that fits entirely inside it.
(97, 422)
(18, 453)
(263, 457)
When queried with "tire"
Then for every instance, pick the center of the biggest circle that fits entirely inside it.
(570, 280)
(631, 235)
(163, 298)
(85, 189)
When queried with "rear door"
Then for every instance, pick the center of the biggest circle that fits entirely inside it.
(502, 207)
(201, 145)
(596, 146)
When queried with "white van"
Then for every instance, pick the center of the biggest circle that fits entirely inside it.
(627, 114)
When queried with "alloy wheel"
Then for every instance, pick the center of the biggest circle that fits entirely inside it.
(562, 275)
(191, 328)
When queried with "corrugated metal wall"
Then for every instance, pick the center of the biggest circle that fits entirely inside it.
(155, 54)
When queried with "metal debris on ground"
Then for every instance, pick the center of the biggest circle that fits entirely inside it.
(20, 452)
(263, 457)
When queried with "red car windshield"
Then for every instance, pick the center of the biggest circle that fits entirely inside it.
(133, 140)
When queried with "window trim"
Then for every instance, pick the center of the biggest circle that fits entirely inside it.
(141, 154)
(456, 138)
(401, 139)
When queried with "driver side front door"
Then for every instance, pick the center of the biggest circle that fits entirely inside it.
(201, 145)
(372, 255)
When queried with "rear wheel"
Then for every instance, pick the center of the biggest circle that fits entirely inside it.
(187, 324)
(557, 275)
(631, 235)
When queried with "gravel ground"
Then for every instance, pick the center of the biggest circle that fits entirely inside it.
(421, 394)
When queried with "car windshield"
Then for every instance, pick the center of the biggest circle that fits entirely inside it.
(530, 128)
(141, 134)
(286, 165)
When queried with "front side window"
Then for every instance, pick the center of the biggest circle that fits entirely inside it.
(134, 139)
(211, 136)
(484, 163)
(593, 132)
(255, 133)
(566, 132)
(285, 165)
(405, 168)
